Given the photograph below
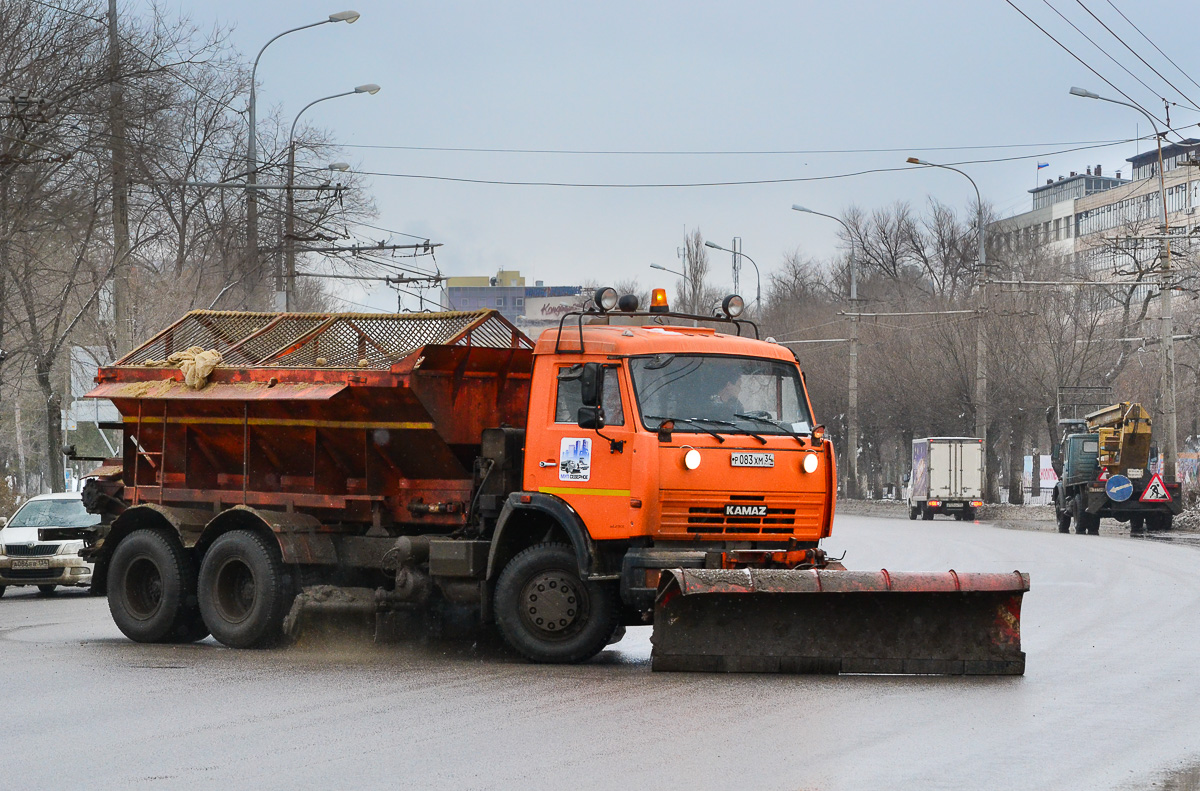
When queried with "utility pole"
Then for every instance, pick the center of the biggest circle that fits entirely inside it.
(735, 248)
(1167, 325)
(122, 321)
(981, 338)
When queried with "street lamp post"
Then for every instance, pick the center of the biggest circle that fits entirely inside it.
(252, 137)
(1167, 325)
(672, 271)
(757, 277)
(851, 466)
(981, 340)
(289, 234)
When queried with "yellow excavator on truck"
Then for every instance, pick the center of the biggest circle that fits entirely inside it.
(1102, 456)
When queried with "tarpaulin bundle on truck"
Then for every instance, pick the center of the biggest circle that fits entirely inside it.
(825, 621)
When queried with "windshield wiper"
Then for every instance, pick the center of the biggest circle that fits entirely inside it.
(798, 437)
(662, 419)
(735, 427)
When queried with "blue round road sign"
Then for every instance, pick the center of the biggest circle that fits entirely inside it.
(1118, 488)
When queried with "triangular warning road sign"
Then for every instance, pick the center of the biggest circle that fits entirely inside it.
(1156, 491)
(1103, 476)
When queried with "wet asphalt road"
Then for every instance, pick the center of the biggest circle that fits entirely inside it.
(1110, 698)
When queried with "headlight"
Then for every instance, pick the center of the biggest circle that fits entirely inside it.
(691, 459)
(810, 462)
(70, 548)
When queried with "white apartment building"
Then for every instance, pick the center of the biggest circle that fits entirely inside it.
(1074, 215)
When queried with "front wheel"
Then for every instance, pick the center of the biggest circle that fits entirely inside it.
(547, 613)
(47, 590)
(243, 591)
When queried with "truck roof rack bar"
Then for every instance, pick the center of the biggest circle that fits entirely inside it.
(593, 313)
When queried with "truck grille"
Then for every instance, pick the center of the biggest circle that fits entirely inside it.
(26, 551)
(697, 514)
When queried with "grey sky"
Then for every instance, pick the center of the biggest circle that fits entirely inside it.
(688, 76)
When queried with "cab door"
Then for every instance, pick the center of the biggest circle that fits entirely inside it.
(588, 469)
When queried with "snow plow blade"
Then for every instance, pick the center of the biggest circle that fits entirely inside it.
(824, 621)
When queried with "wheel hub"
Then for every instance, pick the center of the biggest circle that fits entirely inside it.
(235, 591)
(550, 602)
(143, 588)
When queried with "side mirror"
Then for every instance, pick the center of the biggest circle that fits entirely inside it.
(591, 417)
(907, 477)
(591, 384)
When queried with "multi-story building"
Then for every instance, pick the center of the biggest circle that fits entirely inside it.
(1077, 216)
(526, 306)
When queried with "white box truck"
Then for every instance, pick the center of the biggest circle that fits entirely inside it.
(946, 477)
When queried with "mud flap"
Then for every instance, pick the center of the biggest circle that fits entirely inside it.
(824, 621)
(327, 613)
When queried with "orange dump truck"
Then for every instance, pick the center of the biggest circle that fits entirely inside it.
(416, 469)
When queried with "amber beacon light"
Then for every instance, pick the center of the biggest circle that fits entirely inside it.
(658, 301)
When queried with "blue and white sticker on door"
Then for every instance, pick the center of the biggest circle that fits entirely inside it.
(575, 459)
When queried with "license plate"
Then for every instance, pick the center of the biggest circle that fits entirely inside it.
(1134, 472)
(30, 563)
(752, 459)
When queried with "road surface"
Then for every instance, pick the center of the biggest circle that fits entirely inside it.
(1111, 629)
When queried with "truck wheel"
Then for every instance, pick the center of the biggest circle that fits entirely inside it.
(927, 514)
(1137, 524)
(958, 517)
(548, 613)
(913, 511)
(2, 589)
(150, 579)
(242, 591)
(1064, 521)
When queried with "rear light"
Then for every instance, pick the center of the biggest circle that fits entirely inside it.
(525, 499)
(934, 503)
(976, 503)
(652, 577)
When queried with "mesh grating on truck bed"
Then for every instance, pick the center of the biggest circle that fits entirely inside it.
(331, 340)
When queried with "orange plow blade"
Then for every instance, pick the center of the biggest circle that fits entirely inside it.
(825, 621)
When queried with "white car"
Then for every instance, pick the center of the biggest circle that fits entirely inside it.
(27, 560)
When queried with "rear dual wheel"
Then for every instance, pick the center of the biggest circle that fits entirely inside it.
(548, 613)
(152, 590)
(927, 514)
(243, 590)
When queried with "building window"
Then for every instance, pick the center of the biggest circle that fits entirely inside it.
(499, 302)
(518, 302)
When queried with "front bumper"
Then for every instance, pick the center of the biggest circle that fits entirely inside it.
(70, 570)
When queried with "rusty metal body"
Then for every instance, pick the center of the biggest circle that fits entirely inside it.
(354, 419)
(825, 621)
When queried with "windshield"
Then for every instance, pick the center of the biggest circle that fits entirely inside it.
(764, 396)
(54, 513)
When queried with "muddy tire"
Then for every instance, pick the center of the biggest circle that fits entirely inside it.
(1064, 521)
(927, 514)
(2, 589)
(1137, 524)
(47, 590)
(912, 512)
(151, 584)
(547, 613)
(244, 592)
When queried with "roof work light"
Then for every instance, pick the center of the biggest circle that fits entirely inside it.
(605, 298)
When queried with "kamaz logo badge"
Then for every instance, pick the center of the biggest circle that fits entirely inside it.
(745, 510)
